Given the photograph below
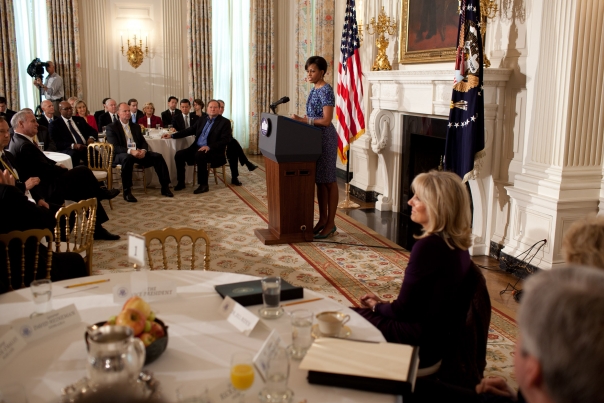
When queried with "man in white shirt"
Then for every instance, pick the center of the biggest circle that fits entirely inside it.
(49, 111)
(71, 134)
(110, 116)
(52, 89)
(135, 114)
(129, 148)
(186, 119)
(168, 115)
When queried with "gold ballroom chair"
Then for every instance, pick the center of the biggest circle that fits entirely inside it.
(100, 162)
(77, 222)
(178, 234)
(23, 236)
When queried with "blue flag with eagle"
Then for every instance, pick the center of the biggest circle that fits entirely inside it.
(465, 132)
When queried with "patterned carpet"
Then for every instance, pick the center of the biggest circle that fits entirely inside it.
(230, 215)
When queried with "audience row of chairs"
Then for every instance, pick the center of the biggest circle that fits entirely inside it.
(74, 232)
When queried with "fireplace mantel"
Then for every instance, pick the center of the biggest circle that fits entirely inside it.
(376, 156)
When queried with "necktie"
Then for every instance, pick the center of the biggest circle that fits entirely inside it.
(49, 120)
(75, 134)
(8, 166)
(186, 121)
(114, 117)
(133, 118)
(172, 112)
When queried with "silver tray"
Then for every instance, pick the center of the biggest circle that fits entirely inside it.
(145, 387)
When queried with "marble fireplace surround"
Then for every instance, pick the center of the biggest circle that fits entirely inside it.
(377, 156)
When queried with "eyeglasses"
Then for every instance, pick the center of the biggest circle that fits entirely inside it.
(67, 109)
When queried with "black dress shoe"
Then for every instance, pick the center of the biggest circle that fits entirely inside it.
(251, 166)
(179, 186)
(201, 189)
(108, 194)
(128, 196)
(101, 233)
(236, 182)
(165, 191)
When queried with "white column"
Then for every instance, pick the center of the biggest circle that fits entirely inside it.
(561, 177)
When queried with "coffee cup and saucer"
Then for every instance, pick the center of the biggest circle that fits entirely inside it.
(331, 324)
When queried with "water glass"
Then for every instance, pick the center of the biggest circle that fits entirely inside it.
(12, 393)
(301, 333)
(271, 298)
(41, 291)
(277, 374)
(41, 145)
(192, 392)
(158, 126)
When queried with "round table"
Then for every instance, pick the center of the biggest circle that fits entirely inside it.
(60, 158)
(199, 349)
(168, 148)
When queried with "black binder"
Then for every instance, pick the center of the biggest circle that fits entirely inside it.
(250, 292)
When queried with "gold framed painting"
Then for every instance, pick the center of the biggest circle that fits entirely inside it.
(428, 31)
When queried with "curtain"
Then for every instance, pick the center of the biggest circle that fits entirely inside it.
(262, 65)
(31, 20)
(230, 54)
(64, 39)
(199, 34)
(314, 37)
(9, 82)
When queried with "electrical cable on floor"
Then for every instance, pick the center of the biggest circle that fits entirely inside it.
(516, 293)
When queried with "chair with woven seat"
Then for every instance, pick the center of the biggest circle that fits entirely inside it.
(178, 234)
(138, 169)
(75, 224)
(100, 162)
(22, 237)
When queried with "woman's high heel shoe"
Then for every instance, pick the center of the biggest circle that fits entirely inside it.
(318, 230)
(330, 233)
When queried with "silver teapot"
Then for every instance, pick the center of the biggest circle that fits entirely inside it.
(114, 355)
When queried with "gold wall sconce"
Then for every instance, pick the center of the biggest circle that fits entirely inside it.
(134, 52)
(488, 10)
(384, 25)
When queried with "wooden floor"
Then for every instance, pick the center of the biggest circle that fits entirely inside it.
(497, 280)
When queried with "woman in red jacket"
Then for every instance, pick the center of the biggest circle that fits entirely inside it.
(150, 120)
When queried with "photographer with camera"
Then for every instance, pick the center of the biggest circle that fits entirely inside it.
(52, 87)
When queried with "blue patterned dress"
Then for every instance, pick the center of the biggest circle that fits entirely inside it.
(326, 164)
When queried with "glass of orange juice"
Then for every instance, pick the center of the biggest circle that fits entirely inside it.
(242, 373)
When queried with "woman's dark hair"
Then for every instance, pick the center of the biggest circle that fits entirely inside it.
(320, 62)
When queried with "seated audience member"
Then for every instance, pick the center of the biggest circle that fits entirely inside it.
(198, 106)
(47, 116)
(583, 242)
(83, 112)
(5, 112)
(235, 154)
(135, 114)
(110, 116)
(98, 113)
(57, 183)
(118, 134)
(19, 214)
(168, 114)
(149, 120)
(430, 299)
(43, 136)
(73, 102)
(212, 134)
(185, 119)
(71, 134)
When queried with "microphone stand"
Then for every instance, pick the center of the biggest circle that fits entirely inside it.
(347, 203)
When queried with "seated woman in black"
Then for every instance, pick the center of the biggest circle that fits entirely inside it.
(430, 301)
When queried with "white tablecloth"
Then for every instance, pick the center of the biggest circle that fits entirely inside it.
(60, 158)
(167, 148)
(200, 345)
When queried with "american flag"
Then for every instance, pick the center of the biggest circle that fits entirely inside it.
(349, 100)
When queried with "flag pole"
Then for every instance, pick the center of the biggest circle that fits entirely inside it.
(347, 203)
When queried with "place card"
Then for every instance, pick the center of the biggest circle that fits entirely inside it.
(10, 344)
(263, 356)
(43, 325)
(224, 392)
(238, 316)
(150, 291)
(136, 249)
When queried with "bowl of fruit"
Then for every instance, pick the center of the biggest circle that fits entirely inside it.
(137, 314)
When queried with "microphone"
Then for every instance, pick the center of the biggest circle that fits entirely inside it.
(283, 100)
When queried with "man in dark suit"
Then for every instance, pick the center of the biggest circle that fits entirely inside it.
(47, 116)
(168, 114)
(5, 112)
(235, 155)
(185, 119)
(212, 134)
(57, 183)
(135, 114)
(110, 116)
(118, 134)
(71, 134)
(98, 114)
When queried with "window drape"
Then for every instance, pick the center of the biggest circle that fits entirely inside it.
(199, 33)
(9, 83)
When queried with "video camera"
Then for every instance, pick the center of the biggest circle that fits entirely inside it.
(36, 68)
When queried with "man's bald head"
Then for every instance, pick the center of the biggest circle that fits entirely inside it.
(48, 108)
(66, 110)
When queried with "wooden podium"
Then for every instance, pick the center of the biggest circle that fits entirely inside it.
(290, 151)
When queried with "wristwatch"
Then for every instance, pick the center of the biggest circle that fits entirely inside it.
(373, 307)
